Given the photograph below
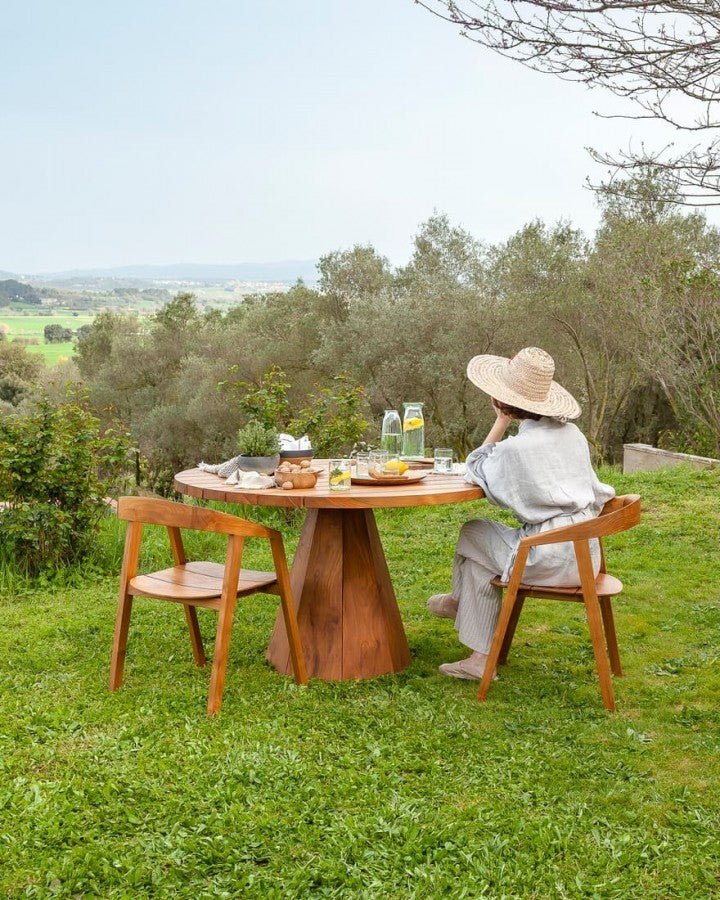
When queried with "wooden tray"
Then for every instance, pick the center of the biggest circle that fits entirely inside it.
(409, 477)
(419, 462)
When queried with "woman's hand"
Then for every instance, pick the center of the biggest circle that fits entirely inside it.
(502, 417)
(502, 421)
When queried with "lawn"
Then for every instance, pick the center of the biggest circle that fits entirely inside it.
(399, 787)
(34, 326)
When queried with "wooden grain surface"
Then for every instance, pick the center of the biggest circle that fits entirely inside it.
(434, 490)
(349, 621)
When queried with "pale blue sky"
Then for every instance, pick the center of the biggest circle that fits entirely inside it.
(244, 131)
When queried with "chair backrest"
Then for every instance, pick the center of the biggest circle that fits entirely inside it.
(152, 511)
(618, 514)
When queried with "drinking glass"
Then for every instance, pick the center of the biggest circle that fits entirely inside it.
(443, 461)
(339, 474)
(362, 464)
(378, 461)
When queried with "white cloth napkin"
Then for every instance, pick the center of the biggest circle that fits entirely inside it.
(288, 442)
(222, 469)
(235, 475)
(250, 480)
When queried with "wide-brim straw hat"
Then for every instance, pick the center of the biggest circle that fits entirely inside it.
(525, 381)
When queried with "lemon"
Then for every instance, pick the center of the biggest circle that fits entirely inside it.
(397, 465)
(412, 424)
(339, 478)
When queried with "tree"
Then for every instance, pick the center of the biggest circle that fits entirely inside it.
(57, 334)
(178, 313)
(662, 58)
(348, 276)
(19, 372)
(412, 338)
(13, 291)
(666, 264)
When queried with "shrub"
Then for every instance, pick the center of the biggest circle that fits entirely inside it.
(56, 468)
(57, 334)
(266, 401)
(256, 439)
(334, 417)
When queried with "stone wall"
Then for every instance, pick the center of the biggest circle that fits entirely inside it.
(644, 458)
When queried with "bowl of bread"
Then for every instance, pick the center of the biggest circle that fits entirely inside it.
(296, 475)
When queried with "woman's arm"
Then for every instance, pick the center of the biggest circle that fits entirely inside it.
(500, 426)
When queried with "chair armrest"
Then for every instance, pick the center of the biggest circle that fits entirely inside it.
(554, 536)
(619, 514)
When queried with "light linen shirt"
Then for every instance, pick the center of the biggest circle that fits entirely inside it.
(542, 473)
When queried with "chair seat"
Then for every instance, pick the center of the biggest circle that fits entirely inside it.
(605, 586)
(200, 581)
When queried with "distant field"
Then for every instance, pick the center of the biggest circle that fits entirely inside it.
(34, 327)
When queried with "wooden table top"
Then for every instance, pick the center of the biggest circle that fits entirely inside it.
(432, 491)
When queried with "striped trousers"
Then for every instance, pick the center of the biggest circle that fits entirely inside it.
(487, 549)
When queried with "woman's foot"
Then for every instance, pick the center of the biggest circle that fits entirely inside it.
(443, 605)
(470, 669)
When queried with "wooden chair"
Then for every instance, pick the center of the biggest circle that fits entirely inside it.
(200, 584)
(619, 514)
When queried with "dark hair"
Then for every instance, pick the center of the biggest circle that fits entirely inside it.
(514, 412)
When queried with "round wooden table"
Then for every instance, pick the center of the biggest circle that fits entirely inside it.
(347, 611)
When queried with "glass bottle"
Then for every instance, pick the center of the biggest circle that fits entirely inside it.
(413, 443)
(391, 436)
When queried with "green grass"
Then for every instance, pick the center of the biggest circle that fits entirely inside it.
(399, 787)
(34, 327)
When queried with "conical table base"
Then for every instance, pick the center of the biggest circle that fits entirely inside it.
(349, 619)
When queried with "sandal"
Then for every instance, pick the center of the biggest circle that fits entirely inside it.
(460, 669)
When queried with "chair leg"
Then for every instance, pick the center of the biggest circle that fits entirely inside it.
(224, 626)
(610, 634)
(195, 636)
(119, 647)
(287, 602)
(594, 617)
(291, 627)
(131, 554)
(512, 625)
(498, 639)
(220, 657)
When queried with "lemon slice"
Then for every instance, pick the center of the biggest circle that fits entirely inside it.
(339, 478)
(412, 424)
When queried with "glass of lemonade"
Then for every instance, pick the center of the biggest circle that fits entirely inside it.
(339, 474)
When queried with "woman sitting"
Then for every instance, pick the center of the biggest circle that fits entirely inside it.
(543, 475)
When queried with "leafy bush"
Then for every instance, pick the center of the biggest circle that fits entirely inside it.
(266, 401)
(334, 417)
(57, 334)
(56, 468)
(256, 439)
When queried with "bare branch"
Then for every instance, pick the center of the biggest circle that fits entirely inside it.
(662, 58)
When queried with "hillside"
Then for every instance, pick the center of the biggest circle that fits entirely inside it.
(16, 292)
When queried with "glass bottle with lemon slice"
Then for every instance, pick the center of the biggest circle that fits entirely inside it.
(413, 444)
